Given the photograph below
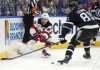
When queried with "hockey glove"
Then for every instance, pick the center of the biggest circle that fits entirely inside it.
(62, 39)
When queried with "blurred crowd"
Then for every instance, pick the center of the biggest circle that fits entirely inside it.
(52, 7)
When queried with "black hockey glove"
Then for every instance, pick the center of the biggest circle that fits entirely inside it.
(62, 39)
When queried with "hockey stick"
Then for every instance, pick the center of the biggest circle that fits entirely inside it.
(23, 54)
(28, 52)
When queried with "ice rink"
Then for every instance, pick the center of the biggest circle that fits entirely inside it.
(35, 61)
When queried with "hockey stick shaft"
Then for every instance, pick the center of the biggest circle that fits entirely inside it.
(28, 52)
(23, 54)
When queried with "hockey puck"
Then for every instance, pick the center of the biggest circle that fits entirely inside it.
(52, 62)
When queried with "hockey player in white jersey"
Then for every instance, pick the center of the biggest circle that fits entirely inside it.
(40, 31)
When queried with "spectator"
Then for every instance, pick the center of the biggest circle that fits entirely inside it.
(87, 4)
(20, 10)
(46, 6)
(39, 6)
(65, 10)
(53, 9)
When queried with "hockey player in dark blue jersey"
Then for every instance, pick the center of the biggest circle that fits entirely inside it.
(88, 30)
(96, 13)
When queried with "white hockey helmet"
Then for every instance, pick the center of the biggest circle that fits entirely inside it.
(45, 16)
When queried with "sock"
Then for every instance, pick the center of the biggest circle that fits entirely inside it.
(87, 47)
(70, 50)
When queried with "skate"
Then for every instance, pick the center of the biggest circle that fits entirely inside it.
(65, 60)
(87, 56)
(45, 54)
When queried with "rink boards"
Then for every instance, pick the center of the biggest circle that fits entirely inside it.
(12, 29)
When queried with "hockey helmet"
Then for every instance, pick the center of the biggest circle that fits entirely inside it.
(73, 4)
(76, 4)
(45, 16)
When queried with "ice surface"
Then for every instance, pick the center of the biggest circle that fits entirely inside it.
(35, 61)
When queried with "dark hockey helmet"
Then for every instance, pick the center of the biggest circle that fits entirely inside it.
(73, 4)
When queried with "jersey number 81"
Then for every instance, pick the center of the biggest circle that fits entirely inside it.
(85, 16)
